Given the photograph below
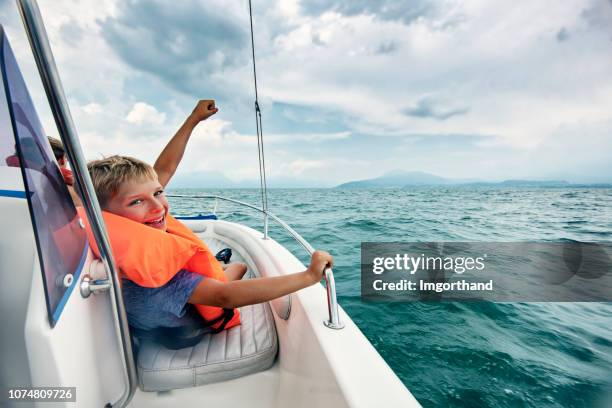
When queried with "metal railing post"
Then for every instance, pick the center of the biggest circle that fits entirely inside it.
(265, 225)
(32, 20)
(330, 284)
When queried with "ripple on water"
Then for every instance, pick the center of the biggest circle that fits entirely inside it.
(463, 354)
(364, 224)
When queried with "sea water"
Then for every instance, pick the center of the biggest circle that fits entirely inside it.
(457, 354)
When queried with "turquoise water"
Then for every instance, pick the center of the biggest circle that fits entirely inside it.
(458, 354)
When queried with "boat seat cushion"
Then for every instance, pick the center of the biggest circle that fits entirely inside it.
(241, 350)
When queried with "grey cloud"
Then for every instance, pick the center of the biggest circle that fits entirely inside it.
(428, 108)
(316, 40)
(599, 14)
(388, 47)
(182, 43)
(406, 11)
(562, 35)
(71, 33)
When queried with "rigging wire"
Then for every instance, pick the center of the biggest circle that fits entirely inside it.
(259, 128)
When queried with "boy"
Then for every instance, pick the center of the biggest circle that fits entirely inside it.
(60, 155)
(130, 188)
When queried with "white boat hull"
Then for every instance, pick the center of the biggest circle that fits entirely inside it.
(316, 365)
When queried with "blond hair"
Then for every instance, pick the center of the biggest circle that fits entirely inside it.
(109, 173)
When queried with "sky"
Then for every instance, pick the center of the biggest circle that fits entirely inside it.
(349, 89)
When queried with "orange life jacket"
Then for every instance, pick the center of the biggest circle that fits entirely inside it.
(150, 257)
(67, 175)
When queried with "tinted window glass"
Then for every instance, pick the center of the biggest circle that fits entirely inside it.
(62, 243)
(8, 154)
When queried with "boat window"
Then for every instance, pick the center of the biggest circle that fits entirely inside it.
(62, 243)
(8, 155)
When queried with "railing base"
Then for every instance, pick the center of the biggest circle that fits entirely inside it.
(334, 326)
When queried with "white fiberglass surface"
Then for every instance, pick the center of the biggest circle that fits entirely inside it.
(80, 351)
(289, 381)
(316, 366)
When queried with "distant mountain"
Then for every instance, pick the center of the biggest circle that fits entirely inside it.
(403, 179)
(393, 179)
(398, 179)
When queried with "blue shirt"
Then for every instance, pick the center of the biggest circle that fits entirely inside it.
(166, 306)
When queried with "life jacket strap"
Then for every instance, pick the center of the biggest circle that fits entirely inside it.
(224, 319)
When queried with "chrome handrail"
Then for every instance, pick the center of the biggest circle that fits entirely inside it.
(330, 284)
(35, 29)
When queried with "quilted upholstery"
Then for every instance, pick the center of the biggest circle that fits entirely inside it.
(241, 350)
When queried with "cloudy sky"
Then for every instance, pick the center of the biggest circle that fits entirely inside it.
(349, 89)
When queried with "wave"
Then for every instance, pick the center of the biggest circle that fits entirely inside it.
(463, 354)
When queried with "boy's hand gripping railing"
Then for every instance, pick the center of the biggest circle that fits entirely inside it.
(332, 301)
(41, 49)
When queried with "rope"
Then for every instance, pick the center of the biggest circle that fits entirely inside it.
(259, 127)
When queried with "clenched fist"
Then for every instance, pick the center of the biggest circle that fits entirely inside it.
(204, 110)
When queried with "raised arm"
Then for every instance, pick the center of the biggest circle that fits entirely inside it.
(169, 159)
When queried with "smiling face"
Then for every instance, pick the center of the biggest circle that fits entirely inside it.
(142, 201)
